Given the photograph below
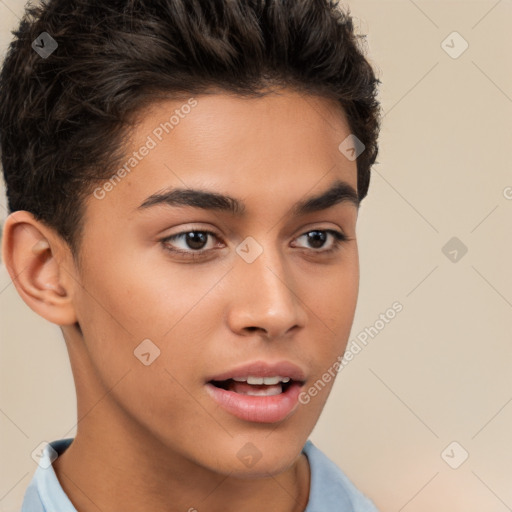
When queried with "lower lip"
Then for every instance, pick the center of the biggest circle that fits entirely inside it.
(259, 409)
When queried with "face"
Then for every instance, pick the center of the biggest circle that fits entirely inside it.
(206, 317)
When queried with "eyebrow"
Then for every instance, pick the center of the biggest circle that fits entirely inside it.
(339, 192)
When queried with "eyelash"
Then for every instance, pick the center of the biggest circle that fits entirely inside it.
(339, 239)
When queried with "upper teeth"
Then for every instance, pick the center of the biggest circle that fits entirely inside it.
(268, 381)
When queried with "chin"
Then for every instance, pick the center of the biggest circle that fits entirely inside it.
(258, 456)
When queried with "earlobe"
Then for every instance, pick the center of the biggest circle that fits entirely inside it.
(35, 258)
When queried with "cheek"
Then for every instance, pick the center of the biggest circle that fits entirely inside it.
(331, 299)
(124, 302)
(123, 322)
(332, 294)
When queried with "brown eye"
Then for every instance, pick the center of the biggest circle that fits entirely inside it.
(317, 238)
(193, 242)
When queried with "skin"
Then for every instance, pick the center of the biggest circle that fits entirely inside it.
(150, 437)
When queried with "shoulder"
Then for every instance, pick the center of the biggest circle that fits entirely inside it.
(330, 488)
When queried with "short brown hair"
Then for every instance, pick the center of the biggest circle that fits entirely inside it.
(63, 119)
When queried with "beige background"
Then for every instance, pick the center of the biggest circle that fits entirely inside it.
(440, 370)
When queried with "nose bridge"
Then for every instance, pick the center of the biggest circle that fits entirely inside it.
(271, 278)
(266, 297)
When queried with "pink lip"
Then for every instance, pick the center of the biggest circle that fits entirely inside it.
(259, 409)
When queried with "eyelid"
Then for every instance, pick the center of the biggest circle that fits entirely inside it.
(340, 238)
(191, 230)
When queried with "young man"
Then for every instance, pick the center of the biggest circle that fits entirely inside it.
(184, 179)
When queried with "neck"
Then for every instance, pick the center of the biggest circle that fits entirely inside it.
(103, 470)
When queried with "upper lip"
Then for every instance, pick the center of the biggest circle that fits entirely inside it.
(263, 369)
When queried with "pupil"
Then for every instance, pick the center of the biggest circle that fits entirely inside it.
(314, 237)
(194, 235)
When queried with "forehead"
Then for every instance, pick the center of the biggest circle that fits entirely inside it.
(277, 147)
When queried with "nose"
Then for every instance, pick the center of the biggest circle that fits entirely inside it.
(265, 297)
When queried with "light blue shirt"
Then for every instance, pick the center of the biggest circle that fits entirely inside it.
(330, 488)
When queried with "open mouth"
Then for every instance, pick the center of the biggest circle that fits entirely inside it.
(256, 386)
(260, 391)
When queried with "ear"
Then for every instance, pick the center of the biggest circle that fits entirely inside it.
(36, 259)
